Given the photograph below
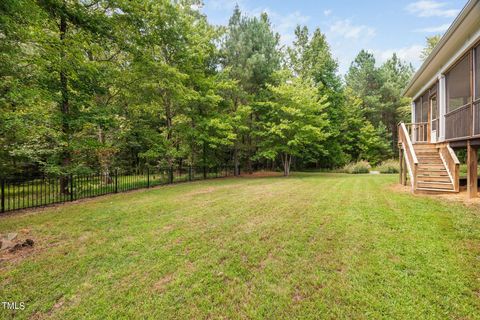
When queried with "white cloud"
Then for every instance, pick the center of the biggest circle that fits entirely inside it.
(223, 4)
(437, 29)
(431, 8)
(285, 25)
(345, 29)
(327, 12)
(409, 54)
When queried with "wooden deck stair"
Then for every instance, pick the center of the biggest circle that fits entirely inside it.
(432, 174)
(430, 167)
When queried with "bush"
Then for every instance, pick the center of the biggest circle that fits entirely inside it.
(357, 167)
(389, 166)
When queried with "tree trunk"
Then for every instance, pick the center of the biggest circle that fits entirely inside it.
(103, 159)
(64, 106)
(235, 160)
(168, 122)
(286, 161)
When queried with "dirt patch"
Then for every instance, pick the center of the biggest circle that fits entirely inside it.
(262, 174)
(201, 191)
(11, 246)
(397, 187)
(161, 284)
(460, 197)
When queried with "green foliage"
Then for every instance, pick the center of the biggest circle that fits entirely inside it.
(358, 167)
(431, 42)
(291, 121)
(377, 93)
(98, 85)
(389, 166)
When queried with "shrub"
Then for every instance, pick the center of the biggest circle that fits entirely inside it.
(389, 166)
(357, 167)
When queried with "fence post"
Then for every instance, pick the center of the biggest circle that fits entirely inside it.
(190, 173)
(204, 172)
(148, 177)
(171, 174)
(71, 187)
(116, 180)
(3, 195)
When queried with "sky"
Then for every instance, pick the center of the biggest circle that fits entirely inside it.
(381, 27)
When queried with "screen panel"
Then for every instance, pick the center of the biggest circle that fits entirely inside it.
(477, 72)
(458, 85)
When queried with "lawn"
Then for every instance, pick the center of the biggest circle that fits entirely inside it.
(314, 245)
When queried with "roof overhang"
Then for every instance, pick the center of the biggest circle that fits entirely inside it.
(463, 32)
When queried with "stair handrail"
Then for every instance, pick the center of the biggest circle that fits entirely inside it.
(452, 164)
(409, 143)
(411, 157)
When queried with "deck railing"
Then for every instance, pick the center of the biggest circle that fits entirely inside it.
(452, 164)
(476, 118)
(409, 152)
(458, 123)
(418, 132)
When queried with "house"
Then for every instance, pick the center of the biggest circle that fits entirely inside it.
(445, 111)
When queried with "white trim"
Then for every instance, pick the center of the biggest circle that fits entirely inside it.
(442, 106)
(465, 25)
(466, 47)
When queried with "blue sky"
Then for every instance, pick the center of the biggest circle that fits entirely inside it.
(382, 27)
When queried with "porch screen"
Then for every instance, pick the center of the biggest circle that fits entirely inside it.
(418, 110)
(477, 72)
(425, 107)
(458, 85)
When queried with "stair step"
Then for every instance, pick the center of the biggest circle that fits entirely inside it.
(430, 190)
(439, 169)
(435, 185)
(430, 161)
(424, 146)
(422, 178)
(427, 155)
(430, 166)
(425, 160)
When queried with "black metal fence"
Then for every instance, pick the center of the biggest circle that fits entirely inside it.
(30, 192)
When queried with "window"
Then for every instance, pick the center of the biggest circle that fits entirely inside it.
(458, 85)
(477, 72)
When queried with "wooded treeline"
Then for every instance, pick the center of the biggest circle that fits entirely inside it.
(103, 84)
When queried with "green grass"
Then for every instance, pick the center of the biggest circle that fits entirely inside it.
(316, 245)
(41, 192)
(464, 169)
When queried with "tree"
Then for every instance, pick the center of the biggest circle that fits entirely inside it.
(310, 58)
(292, 121)
(378, 91)
(249, 56)
(431, 42)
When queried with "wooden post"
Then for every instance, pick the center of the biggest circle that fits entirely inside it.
(400, 159)
(405, 169)
(472, 176)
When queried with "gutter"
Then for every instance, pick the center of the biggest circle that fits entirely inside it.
(443, 40)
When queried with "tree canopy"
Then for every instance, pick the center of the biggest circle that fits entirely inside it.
(100, 84)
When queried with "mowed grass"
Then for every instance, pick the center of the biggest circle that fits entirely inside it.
(311, 246)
